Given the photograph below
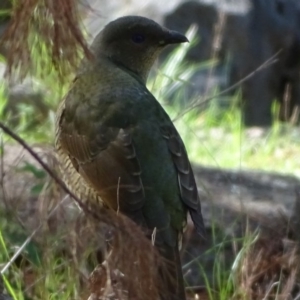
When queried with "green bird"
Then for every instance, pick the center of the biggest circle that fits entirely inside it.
(118, 147)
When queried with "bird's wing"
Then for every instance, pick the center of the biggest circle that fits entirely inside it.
(186, 180)
(107, 160)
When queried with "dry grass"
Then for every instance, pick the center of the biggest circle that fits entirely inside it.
(269, 269)
(130, 271)
(48, 30)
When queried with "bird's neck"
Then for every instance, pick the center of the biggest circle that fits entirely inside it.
(139, 76)
(104, 69)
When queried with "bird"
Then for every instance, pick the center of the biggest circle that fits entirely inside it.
(117, 146)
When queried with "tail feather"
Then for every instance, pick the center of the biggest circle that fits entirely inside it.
(173, 284)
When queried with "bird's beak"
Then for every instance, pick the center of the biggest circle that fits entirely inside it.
(174, 37)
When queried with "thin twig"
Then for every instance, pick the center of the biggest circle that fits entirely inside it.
(118, 195)
(41, 162)
(266, 64)
(54, 177)
(27, 241)
(2, 172)
(216, 47)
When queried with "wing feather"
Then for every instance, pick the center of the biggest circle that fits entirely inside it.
(108, 163)
(186, 180)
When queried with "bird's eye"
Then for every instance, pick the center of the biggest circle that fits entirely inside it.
(138, 38)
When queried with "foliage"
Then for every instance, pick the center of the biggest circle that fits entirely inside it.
(47, 30)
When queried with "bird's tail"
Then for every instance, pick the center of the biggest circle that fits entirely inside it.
(171, 272)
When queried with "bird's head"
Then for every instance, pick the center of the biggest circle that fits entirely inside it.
(134, 42)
